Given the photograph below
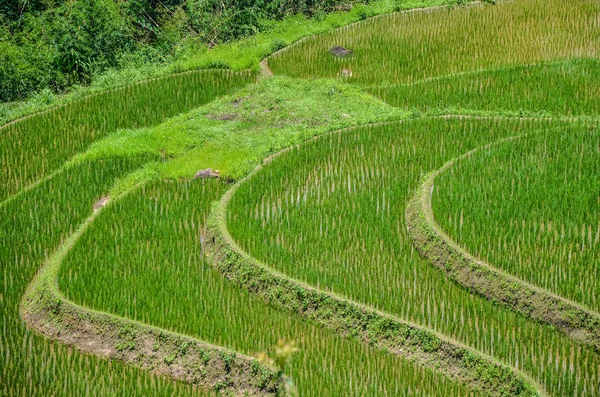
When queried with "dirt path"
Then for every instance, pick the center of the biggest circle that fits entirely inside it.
(265, 70)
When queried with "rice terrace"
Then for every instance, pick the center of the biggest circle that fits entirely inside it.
(388, 198)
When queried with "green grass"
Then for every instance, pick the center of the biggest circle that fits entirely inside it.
(405, 48)
(235, 133)
(35, 147)
(568, 87)
(331, 213)
(142, 259)
(531, 208)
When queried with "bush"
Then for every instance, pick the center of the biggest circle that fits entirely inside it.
(18, 76)
(62, 45)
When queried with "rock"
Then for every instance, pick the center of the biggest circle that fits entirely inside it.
(206, 174)
(343, 7)
(346, 73)
(101, 203)
(340, 52)
(222, 116)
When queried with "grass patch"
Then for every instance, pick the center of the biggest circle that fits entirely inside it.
(235, 133)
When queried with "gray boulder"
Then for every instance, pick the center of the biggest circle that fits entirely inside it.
(340, 52)
(206, 174)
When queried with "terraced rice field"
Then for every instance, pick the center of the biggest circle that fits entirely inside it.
(157, 275)
(541, 224)
(405, 48)
(350, 190)
(430, 230)
(566, 87)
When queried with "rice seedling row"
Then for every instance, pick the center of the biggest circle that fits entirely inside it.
(36, 146)
(35, 224)
(46, 310)
(332, 215)
(567, 87)
(363, 323)
(407, 47)
(538, 219)
(442, 251)
(142, 259)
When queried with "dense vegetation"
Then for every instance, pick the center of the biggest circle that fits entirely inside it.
(108, 180)
(47, 44)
